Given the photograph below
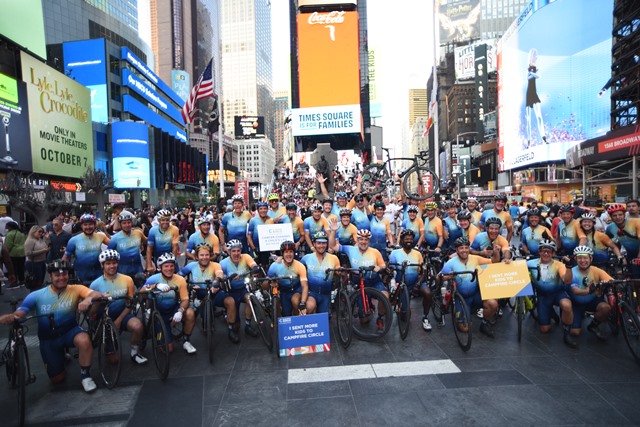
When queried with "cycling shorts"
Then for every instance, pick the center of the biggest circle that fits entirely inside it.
(53, 350)
(579, 309)
(546, 303)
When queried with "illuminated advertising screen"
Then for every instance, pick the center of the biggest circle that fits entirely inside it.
(181, 83)
(60, 120)
(141, 88)
(247, 127)
(15, 149)
(326, 120)
(23, 23)
(84, 61)
(130, 143)
(459, 20)
(138, 109)
(548, 90)
(465, 60)
(328, 59)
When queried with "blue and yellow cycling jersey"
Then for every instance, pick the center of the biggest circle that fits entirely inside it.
(330, 217)
(252, 230)
(196, 273)
(63, 306)
(570, 235)
(120, 286)
(197, 238)
(503, 215)
(369, 258)
(593, 275)
(360, 218)
(295, 271)
(379, 231)
(475, 218)
(599, 242)
(86, 249)
(280, 212)
(411, 274)
(128, 245)
(335, 210)
(463, 281)
(405, 206)
(628, 235)
(163, 241)
(347, 235)
(453, 230)
(236, 225)
(242, 267)
(433, 230)
(482, 242)
(297, 227)
(312, 226)
(316, 271)
(417, 226)
(531, 238)
(551, 276)
(168, 301)
(471, 232)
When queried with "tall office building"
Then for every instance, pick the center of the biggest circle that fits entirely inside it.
(280, 106)
(418, 105)
(258, 158)
(246, 62)
(497, 15)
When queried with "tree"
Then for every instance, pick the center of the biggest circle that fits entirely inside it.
(40, 204)
(97, 181)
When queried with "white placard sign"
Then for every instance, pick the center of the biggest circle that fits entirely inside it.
(116, 198)
(270, 236)
(325, 120)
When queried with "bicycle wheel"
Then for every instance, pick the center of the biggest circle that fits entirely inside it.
(274, 314)
(631, 330)
(109, 352)
(462, 321)
(614, 321)
(160, 344)
(208, 324)
(520, 311)
(344, 318)
(263, 322)
(374, 178)
(365, 324)
(11, 365)
(420, 183)
(21, 379)
(403, 310)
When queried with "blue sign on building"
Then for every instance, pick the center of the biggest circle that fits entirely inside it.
(130, 142)
(130, 80)
(135, 107)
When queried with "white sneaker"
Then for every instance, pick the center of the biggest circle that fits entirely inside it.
(480, 312)
(425, 324)
(188, 347)
(139, 359)
(500, 312)
(89, 385)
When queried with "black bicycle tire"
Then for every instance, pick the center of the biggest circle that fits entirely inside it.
(11, 366)
(21, 356)
(160, 345)
(344, 319)
(465, 312)
(406, 183)
(262, 322)
(378, 171)
(629, 320)
(372, 293)
(404, 321)
(108, 331)
(613, 321)
(208, 316)
(520, 309)
(274, 317)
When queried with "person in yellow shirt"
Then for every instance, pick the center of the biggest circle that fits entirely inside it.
(433, 228)
(469, 230)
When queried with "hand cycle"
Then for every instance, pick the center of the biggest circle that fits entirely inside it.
(16, 358)
(206, 309)
(621, 295)
(400, 298)
(275, 308)
(419, 182)
(448, 299)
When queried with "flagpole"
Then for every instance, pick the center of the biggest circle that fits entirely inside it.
(220, 146)
(436, 143)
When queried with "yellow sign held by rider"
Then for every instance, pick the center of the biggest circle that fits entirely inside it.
(504, 280)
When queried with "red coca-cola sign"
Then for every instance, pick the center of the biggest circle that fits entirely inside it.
(334, 17)
(242, 188)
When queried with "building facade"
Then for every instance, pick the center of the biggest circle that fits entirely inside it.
(280, 108)
(257, 158)
(418, 104)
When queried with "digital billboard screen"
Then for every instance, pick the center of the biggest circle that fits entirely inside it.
(247, 127)
(548, 80)
(459, 20)
(130, 143)
(23, 23)
(84, 61)
(15, 150)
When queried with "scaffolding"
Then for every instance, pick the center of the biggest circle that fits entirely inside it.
(625, 66)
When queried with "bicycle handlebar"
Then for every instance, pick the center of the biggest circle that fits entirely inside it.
(473, 273)
(348, 270)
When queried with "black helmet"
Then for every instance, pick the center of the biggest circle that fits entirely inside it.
(461, 241)
(493, 221)
(58, 266)
(533, 212)
(287, 245)
(464, 215)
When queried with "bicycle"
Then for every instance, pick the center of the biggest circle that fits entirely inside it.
(418, 181)
(342, 307)
(400, 298)
(207, 311)
(15, 357)
(275, 300)
(448, 296)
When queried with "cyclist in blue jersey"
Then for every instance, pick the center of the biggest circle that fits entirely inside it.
(86, 248)
(341, 201)
(239, 264)
(433, 228)
(63, 301)
(465, 221)
(534, 233)
(115, 284)
(294, 292)
(317, 264)
(598, 241)
(203, 234)
(234, 224)
(415, 224)
(346, 233)
(360, 212)
(380, 230)
(452, 229)
(627, 231)
(277, 210)
(128, 242)
(314, 223)
(163, 238)
(253, 233)
(570, 235)
(297, 225)
(498, 211)
(487, 243)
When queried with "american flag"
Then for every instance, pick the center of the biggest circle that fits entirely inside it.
(203, 89)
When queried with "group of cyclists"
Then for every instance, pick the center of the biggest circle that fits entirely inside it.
(346, 230)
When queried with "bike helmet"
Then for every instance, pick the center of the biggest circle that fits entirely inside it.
(237, 198)
(407, 232)
(566, 208)
(316, 207)
(364, 233)
(126, 216)
(379, 205)
(461, 241)
(587, 216)
(291, 207)
(358, 197)
(199, 220)
(616, 207)
(164, 214)
(533, 212)
(464, 215)
(165, 257)
(287, 245)
(412, 208)
(319, 236)
(449, 204)
(546, 243)
(431, 206)
(108, 255)
(233, 244)
(327, 201)
(345, 212)
(203, 245)
(262, 205)
(59, 266)
(493, 221)
(583, 250)
(87, 218)
(500, 196)
(472, 199)
(341, 194)
(273, 196)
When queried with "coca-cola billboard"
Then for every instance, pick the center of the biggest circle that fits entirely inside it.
(242, 189)
(335, 17)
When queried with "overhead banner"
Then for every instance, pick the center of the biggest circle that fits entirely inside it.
(60, 120)
(459, 20)
(130, 142)
(326, 120)
(618, 144)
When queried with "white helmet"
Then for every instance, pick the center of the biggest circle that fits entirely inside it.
(166, 257)
(108, 255)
